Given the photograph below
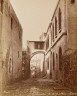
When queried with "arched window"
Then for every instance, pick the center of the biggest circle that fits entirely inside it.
(51, 37)
(18, 54)
(53, 32)
(10, 61)
(47, 43)
(55, 27)
(11, 22)
(59, 18)
(60, 57)
(53, 62)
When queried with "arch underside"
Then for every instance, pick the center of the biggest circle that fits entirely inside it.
(37, 52)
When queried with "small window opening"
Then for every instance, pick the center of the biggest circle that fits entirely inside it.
(72, 1)
(10, 65)
(1, 1)
(11, 22)
(18, 54)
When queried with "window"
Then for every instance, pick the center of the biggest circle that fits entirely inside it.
(39, 45)
(55, 27)
(72, 1)
(59, 19)
(36, 45)
(53, 32)
(10, 65)
(47, 43)
(18, 54)
(1, 2)
(11, 22)
(51, 37)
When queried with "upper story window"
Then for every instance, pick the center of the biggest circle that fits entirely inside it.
(1, 6)
(47, 43)
(36, 45)
(51, 37)
(55, 27)
(11, 22)
(39, 45)
(53, 32)
(10, 61)
(59, 17)
(72, 1)
(18, 54)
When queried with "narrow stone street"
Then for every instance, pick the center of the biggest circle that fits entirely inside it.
(37, 87)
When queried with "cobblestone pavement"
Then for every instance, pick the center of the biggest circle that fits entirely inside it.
(33, 87)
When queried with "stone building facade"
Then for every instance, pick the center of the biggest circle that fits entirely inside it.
(10, 43)
(61, 36)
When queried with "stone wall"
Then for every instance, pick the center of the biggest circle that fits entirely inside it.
(11, 44)
(69, 65)
(59, 40)
(25, 65)
(16, 30)
(60, 44)
(64, 39)
(71, 24)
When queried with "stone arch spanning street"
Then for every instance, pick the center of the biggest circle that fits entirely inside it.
(37, 60)
(36, 52)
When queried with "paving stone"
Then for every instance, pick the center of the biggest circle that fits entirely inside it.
(34, 87)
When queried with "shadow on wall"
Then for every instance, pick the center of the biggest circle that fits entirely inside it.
(69, 64)
(25, 65)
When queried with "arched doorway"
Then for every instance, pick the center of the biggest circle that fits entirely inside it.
(51, 66)
(56, 66)
(60, 57)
